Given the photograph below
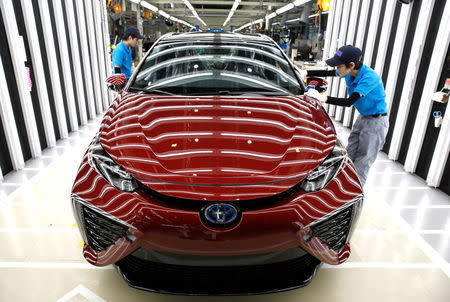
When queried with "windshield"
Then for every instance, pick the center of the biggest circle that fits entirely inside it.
(202, 68)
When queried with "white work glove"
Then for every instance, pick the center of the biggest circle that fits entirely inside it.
(438, 96)
(303, 73)
(316, 94)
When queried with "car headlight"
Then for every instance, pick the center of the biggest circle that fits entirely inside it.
(110, 170)
(324, 173)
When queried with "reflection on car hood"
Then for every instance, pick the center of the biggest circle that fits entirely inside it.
(193, 144)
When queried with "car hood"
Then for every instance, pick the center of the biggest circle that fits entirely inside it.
(189, 146)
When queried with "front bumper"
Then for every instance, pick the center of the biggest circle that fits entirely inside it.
(217, 280)
(144, 222)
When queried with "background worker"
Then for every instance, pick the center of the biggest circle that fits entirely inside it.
(121, 56)
(366, 93)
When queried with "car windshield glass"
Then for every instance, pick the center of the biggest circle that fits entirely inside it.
(201, 67)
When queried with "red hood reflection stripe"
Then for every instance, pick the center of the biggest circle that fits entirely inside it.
(229, 141)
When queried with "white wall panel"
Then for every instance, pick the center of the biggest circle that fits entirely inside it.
(75, 49)
(420, 35)
(332, 50)
(38, 70)
(346, 15)
(18, 57)
(326, 49)
(85, 57)
(372, 33)
(107, 42)
(437, 61)
(53, 67)
(86, 22)
(9, 123)
(384, 36)
(98, 16)
(441, 153)
(365, 6)
(350, 40)
(331, 16)
(65, 62)
(397, 53)
(93, 53)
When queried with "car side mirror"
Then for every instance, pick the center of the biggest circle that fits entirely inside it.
(320, 84)
(116, 82)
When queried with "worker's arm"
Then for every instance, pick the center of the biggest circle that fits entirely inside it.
(346, 102)
(117, 60)
(321, 73)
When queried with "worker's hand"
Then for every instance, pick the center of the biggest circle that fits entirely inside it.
(315, 94)
(438, 96)
(303, 73)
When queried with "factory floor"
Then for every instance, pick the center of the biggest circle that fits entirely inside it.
(400, 249)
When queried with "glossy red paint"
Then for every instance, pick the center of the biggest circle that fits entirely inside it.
(117, 79)
(208, 147)
(316, 82)
(139, 132)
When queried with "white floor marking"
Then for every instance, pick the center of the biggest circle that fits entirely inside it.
(82, 291)
(427, 232)
(54, 265)
(435, 257)
(390, 172)
(399, 232)
(383, 188)
(425, 207)
(38, 230)
(390, 232)
(386, 265)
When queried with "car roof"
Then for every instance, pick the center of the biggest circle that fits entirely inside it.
(217, 37)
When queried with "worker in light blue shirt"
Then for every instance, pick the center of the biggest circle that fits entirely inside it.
(366, 93)
(121, 56)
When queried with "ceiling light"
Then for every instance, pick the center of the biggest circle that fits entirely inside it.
(189, 5)
(233, 9)
(164, 14)
(300, 2)
(322, 13)
(285, 8)
(149, 6)
(272, 15)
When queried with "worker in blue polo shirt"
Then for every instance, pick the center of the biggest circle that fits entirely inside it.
(121, 56)
(366, 93)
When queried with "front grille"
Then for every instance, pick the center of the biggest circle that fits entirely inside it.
(194, 204)
(101, 232)
(334, 230)
(217, 280)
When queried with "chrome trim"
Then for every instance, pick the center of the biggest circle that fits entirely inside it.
(100, 211)
(327, 216)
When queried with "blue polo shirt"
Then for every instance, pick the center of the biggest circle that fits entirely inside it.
(121, 56)
(369, 84)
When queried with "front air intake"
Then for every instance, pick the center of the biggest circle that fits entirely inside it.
(98, 230)
(336, 229)
(333, 231)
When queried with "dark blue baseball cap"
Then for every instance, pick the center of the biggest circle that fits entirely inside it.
(133, 31)
(344, 55)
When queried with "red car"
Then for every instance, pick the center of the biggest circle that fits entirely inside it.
(212, 173)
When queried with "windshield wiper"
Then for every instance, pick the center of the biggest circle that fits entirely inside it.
(150, 90)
